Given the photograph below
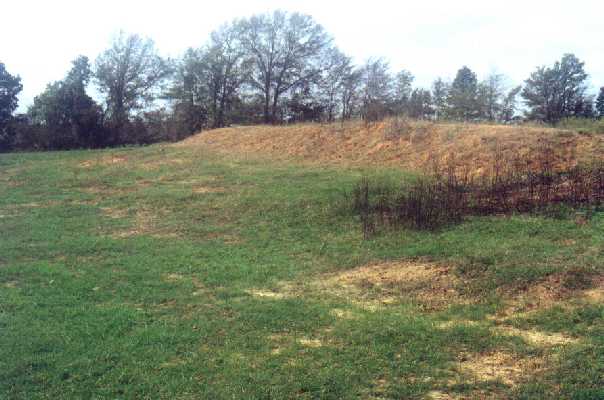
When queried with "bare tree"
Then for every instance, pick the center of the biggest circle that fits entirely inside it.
(128, 74)
(403, 90)
(351, 93)
(285, 50)
(226, 69)
(335, 71)
(508, 105)
(440, 93)
(490, 95)
(378, 89)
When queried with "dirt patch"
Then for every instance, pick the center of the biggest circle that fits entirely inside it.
(508, 368)
(548, 293)
(266, 294)
(342, 314)
(595, 295)
(103, 161)
(536, 337)
(312, 343)
(173, 277)
(431, 286)
(115, 213)
(145, 223)
(155, 164)
(173, 363)
(208, 189)
(439, 395)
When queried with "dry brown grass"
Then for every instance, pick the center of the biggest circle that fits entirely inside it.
(473, 145)
(145, 223)
(103, 161)
(429, 285)
(508, 368)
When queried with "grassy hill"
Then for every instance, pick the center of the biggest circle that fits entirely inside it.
(230, 266)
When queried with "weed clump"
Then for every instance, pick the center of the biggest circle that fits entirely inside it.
(446, 195)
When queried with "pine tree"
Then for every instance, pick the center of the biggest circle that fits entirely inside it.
(600, 103)
(463, 96)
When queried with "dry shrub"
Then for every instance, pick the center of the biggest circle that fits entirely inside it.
(446, 195)
(398, 128)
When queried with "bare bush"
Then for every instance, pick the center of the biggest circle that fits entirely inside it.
(398, 128)
(446, 195)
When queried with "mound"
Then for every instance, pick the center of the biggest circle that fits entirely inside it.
(411, 144)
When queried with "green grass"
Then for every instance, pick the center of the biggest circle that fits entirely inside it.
(135, 279)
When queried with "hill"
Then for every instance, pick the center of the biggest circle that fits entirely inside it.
(402, 143)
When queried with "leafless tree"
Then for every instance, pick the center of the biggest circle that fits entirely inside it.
(285, 50)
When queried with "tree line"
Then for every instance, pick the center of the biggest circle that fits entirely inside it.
(269, 68)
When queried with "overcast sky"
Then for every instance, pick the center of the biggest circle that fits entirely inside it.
(428, 37)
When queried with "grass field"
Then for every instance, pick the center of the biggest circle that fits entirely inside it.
(175, 272)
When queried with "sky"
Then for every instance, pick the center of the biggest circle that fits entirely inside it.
(430, 38)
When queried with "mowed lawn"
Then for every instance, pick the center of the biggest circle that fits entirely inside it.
(174, 273)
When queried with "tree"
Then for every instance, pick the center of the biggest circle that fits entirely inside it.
(463, 102)
(128, 74)
(10, 87)
(556, 93)
(225, 70)
(378, 89)
(584, 107)
(69, 117)
(403, 90)
(285, 51)
(508, 105)
(189, 93)
(420, 104)
(351, 93)
(336, 70)
(600, 103)
(490, 93)
(440, 93)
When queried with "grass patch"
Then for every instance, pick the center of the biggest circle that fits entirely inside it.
(242, 278)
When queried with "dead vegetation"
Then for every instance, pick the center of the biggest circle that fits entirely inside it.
(105, 160)
(430, 286)
(406, 143)
(508, 368)
(146, 221)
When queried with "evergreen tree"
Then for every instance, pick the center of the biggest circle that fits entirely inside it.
(463, 95)
(600, 103)
(68, 115)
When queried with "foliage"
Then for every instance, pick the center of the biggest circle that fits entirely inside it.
(128, 74)
(557, 92)
(582, 125)
(10, 87)
(600, 103)
(285, 50)
(65, 114)
(440, 94)
(463, 96)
